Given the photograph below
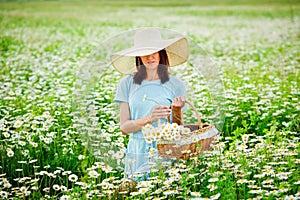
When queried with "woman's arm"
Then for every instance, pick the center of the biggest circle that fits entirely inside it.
(129, 126)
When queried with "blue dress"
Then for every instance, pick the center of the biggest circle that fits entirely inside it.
(141, 99)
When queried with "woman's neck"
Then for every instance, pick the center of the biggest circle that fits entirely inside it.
(152, 75)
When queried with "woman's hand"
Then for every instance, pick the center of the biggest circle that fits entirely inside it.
(178, 101)
(160, 112)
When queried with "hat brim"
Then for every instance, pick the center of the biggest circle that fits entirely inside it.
(177, 50)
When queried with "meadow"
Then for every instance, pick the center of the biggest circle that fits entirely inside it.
(59, 132)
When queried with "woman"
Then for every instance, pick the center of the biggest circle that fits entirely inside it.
(146, 94)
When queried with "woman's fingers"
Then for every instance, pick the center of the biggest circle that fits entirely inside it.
(178, 101)
(160, 112)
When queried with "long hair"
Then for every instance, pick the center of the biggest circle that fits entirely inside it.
(162, 70)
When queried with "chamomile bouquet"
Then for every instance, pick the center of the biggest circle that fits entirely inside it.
(164, 132)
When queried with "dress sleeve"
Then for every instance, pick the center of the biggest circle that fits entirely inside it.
(122, 92)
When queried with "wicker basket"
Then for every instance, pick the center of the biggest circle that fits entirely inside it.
(200, 139)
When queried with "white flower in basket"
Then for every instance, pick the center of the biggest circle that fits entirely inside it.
(165, 133)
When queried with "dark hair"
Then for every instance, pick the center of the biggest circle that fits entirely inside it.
(162, 70)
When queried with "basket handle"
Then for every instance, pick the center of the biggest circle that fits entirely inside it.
(196, 113)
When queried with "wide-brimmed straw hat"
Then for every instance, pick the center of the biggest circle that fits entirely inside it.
(148, 41)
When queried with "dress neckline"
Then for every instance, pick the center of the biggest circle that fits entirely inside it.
(152, 81)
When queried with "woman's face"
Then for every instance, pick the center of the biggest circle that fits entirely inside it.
(151, 61)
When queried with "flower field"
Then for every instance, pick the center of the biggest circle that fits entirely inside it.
(59, 133)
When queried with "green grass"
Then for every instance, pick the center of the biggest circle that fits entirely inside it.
(50, 53)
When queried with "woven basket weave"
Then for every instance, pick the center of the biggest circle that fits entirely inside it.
(200, 139)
